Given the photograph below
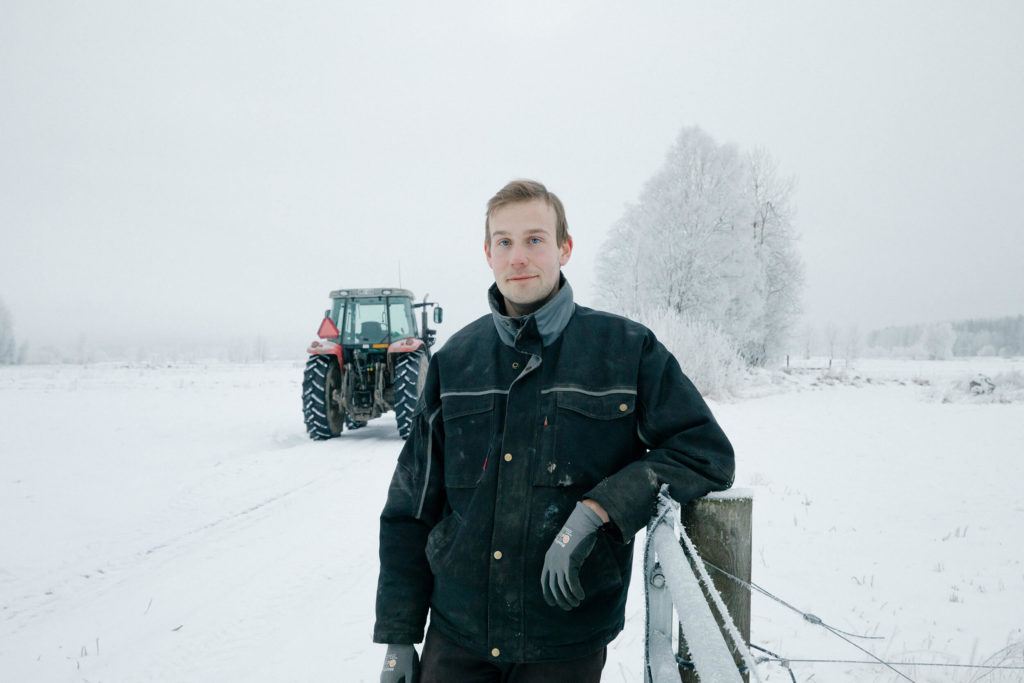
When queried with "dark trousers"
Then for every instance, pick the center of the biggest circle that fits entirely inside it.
(443, 661)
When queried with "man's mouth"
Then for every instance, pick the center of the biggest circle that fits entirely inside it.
(521, 278)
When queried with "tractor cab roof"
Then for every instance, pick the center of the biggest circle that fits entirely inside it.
(378, 291)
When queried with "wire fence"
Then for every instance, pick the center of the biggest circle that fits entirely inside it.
(668, 514)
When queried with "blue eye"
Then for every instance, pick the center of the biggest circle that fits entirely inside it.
(535, 240)
(503, 243)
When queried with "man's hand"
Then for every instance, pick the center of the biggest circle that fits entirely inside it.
(401, 665)
(560, 579)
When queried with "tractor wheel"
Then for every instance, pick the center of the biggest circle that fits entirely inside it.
(324, 417)
(410, 375)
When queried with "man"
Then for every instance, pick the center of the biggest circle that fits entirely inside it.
(541, 439)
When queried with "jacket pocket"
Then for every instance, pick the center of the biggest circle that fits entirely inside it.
(468, 428)
(590, 436)
(439, 541)
(604, 582)
(601, 571)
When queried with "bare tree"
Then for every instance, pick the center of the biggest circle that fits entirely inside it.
(831, 339)
(809, 339)
(774, 241)
(260, 348)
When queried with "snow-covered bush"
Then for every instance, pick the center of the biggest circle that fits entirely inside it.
(704, 352)
(1005, 387)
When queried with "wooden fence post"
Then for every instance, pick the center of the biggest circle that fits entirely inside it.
(720, 527)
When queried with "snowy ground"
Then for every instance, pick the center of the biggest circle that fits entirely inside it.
(174, 524)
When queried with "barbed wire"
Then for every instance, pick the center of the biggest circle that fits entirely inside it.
(785, 661)
(816, 620)
(813, 619)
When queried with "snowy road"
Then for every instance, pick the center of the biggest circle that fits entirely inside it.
(175, 524)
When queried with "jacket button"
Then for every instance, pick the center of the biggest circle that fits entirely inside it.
(495, 652)
(508, 457)
(623, 407)
(515, 366)
(497, 554)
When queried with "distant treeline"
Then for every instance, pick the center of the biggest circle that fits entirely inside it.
(988, 337)
(1001, 336)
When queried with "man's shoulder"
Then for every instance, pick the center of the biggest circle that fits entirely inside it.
(608, 323)
(477, 332)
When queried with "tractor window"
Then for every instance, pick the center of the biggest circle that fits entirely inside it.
(336, 307)
(402, 324)
(366, 320)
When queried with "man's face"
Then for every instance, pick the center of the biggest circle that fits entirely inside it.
(524, 256)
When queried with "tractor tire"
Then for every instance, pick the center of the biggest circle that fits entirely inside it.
(410, 375)
(324, 418)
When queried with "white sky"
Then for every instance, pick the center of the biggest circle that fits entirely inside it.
(212, 169)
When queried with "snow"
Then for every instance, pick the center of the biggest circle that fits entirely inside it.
(174, 523)
(708, 650)
(734, 493)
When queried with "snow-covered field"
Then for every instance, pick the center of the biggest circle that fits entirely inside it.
(174, 523)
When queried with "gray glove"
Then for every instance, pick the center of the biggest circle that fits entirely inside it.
(560, 579)
(401, 665)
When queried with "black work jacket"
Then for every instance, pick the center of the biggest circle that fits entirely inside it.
(505, 441)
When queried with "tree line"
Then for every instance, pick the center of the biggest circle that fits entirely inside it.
(976, 337)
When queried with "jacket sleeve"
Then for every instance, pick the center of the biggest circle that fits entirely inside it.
(687, 448)
(415, 501)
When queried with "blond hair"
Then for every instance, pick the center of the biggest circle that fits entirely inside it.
(524, 191)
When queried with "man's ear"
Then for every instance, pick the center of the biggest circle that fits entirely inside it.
(487, 251)
(565, 251)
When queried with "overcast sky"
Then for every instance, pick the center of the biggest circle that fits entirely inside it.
(212, 169)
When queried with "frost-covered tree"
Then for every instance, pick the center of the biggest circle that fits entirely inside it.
(852, 344)
(710, 239)
(938, 340)
(8, 345)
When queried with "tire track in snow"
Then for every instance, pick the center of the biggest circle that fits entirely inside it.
(108, 574)
(295, 581)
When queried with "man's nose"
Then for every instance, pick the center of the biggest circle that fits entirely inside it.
(517, 257)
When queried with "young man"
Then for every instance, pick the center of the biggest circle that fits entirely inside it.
(542, 437)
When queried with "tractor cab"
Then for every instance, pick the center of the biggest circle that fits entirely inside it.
(365, 318)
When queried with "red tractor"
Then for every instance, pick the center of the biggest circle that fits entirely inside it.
(370, 359)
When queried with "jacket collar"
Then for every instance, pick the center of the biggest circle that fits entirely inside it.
(551, 318)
